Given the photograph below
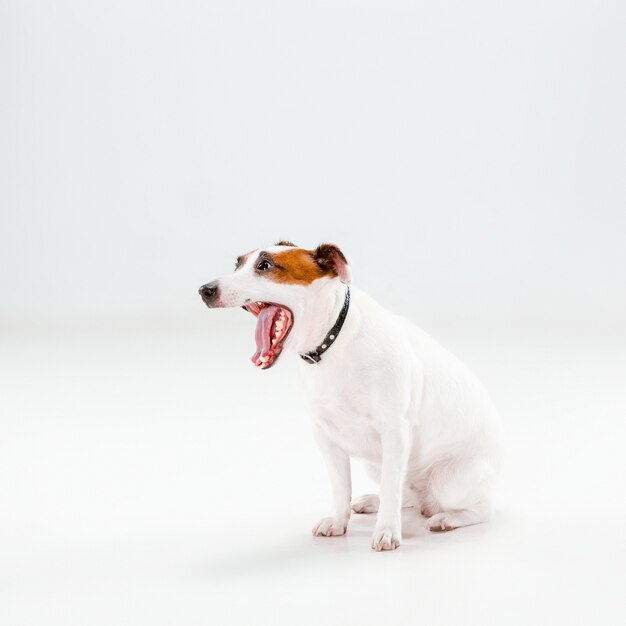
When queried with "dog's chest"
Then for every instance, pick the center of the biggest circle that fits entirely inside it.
(345, 413)
(357, 434)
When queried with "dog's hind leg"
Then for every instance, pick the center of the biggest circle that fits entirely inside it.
(462, 493)
(370, 502)
(367, 503)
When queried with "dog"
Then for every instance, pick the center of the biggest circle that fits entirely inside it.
(382, 391)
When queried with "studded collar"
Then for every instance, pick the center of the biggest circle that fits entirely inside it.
(315, 355)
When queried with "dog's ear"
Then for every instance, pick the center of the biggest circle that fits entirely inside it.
(331, 258)
(285, 243)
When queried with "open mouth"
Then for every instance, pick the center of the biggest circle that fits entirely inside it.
(272, 327)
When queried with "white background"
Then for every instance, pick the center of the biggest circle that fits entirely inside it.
(470, 160)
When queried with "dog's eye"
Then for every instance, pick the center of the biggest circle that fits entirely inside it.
(263, 266)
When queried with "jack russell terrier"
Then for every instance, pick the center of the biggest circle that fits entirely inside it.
(381, 389)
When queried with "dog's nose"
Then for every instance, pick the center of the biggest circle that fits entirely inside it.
(208, 291)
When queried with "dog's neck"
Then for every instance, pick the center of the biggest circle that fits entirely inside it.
(317, 315)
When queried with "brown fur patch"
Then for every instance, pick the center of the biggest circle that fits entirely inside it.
(297, 266)
(286, 243)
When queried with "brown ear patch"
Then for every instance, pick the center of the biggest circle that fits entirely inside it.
(330, 258)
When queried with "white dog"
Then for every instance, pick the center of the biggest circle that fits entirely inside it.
(381, 390)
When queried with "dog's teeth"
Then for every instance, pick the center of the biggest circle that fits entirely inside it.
(264, 359)
(273, 342)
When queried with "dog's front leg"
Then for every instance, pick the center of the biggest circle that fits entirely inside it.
(338, 464)
(395, 449)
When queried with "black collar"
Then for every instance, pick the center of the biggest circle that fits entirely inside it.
(315, 355)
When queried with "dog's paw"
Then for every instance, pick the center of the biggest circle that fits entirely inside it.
(366, 504)
(385, 538)
(330, 527)
(439, 523)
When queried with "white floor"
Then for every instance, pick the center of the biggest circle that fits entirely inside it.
(149, 475)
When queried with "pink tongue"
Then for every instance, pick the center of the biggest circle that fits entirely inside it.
(263, 328)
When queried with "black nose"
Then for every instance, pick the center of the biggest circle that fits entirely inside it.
(208, 291)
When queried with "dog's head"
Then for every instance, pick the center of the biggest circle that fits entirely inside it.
(286, 288)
